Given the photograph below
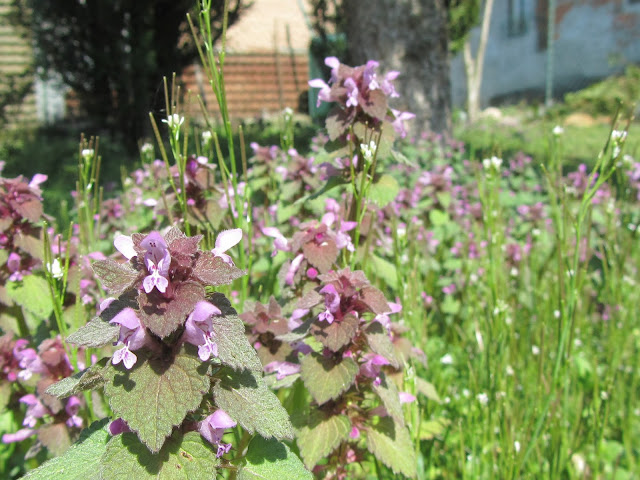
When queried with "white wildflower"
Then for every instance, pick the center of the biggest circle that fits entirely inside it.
(55, 269)
(535, 350)
(558, 130)
(447, 359)
(88, 153)
(483, 398)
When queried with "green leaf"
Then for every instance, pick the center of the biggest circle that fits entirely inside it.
(325, 377)
(186, 457)
(379, 341)
(427, 389)
(337, 334)
(384, 270)
(383, 190)
(321, 436)
(157, 393)
(81, 461)
(391, 444)
(234, 349)
(94, 334)
(433, 428)
(438, 217)
(246, 398)
(115, 277)
(272, 460)
(32, 294)
(388, 393)
(88, 379)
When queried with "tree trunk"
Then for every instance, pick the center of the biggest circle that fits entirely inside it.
(409, 36)
(474, 67)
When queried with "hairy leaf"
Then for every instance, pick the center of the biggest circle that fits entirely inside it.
(211, 270)
(272, 460)
(321, 436)
(96, 333)
(310, 299)
(187, 457)
(156, 394)
(234, 349)
(379, 341)
(321, 256)
(88, 379)
(337, 122)
(246, 398)
(81, 461)
(325, 377)
(115, 277)
(32, 294)
(33, 245)
(375, 105)
(337, 334)
(171, 236)
(391, 444)
(428, 390)
(164, 315)
(388, 393)
(375, 300)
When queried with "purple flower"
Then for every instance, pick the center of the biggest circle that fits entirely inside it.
(118, 426)
(324, 95)
(124, 245)
(212, 428)
(331, 302)
(19, 436)
(282, 369)
(352, 92)
(157, 259)
(372, 366)
(72, 408)
(279, 242)
(132, 334)
(224, 241)
(384, 319)
(293, 268)
(199, 330)
(35, 410)
(398, 122)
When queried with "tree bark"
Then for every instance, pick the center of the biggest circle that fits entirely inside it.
(474, 67)
(409, 36)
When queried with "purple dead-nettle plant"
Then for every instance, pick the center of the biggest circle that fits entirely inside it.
(338, 339)
(181, 358)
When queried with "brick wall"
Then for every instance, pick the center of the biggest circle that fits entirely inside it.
(255, 83)
(15, 57)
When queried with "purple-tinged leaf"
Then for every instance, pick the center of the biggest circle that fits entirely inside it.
(30, 208)
(310, 300)
(185, 245)
(320, 436)
(337, 122)
(212, 270)
(391, 444)
(116, 277)
(164, 315)
(172, 235)
(375, 300)
(337, 334)
(30, 244)
(188, 457)
(375, 105)
(55, 436)
(325, 377)
(157, 393)
(321, 256)
(246, 398)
